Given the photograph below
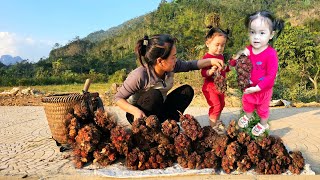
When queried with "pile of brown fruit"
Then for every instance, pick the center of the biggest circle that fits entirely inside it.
(95, 137)
(243, 68)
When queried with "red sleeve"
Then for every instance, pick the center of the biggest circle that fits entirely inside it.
(205, 69)
(232, 62)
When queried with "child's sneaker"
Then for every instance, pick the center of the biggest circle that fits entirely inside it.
(243, 121)
(218, 127)
(259, 129)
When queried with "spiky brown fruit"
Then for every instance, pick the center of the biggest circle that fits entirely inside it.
(152, 122)
(191, 127)
(233, 149)
(243, 68)
(182, 144)
(136, 159)
(105, 154)
(82, 112)
(262, 166)
(167, 150)
(210, 160)
(253, 151)
(160, 138)
(139, 126)
(73, 127)
(220, 82)
(121, 139)
(244, 163)
(264, 142)
(170, 128)
(297, 162)
(278, 148)
(104, 119)
(209, 137)
(88, 137)
(139, 141)
(232, 130)
(244, 138)
(182, 161)
(156, 160)
(194, 161)
(85, 142)
(228, 163)
(220, 145)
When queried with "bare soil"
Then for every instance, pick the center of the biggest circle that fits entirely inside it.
(24, 100)
(29, 100)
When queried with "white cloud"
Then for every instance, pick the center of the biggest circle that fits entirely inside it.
(25, 47)
(7, 42)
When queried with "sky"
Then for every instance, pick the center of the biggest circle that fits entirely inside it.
(30, 28)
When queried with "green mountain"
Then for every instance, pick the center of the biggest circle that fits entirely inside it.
(101, 35)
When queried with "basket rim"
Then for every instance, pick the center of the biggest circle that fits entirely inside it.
(62, 97)
(66, 97)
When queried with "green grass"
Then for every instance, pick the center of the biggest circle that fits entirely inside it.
(255, 120)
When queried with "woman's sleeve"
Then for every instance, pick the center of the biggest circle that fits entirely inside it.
(132, 84)
(185, 66)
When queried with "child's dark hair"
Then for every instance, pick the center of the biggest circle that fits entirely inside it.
(149, 49)
(276, 25)
(215, 30)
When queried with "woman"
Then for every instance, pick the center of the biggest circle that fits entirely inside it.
(144, 92)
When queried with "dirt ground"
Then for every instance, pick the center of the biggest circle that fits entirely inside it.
(25, 100)
(28, 100)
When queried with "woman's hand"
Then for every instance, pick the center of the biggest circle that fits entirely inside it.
(218, 63)
(138, 114)
(135, 111)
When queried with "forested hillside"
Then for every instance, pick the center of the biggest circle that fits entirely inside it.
(104, 56)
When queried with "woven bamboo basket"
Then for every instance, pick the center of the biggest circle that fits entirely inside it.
(56, 108)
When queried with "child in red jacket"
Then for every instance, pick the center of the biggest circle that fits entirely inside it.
(216, 40)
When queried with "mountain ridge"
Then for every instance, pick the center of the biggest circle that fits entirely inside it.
(10, 60)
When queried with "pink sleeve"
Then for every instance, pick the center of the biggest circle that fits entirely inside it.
(271, 72)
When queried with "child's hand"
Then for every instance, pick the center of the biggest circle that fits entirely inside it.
(252, 90)
(212, 70)
(245, 52)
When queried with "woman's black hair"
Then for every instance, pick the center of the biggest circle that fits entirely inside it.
(213, 30)
(149, 50)
(276, 25)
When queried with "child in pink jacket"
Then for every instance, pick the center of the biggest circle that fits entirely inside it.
(262, 28)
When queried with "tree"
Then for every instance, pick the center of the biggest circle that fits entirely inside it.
(57, 67)
(297, 47)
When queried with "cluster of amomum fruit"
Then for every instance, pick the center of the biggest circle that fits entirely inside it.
(96, 138)
(220, 82)
(243, 68)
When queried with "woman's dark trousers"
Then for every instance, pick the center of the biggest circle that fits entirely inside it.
(151, 103)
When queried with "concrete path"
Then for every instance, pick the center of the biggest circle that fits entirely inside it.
(27, 150)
